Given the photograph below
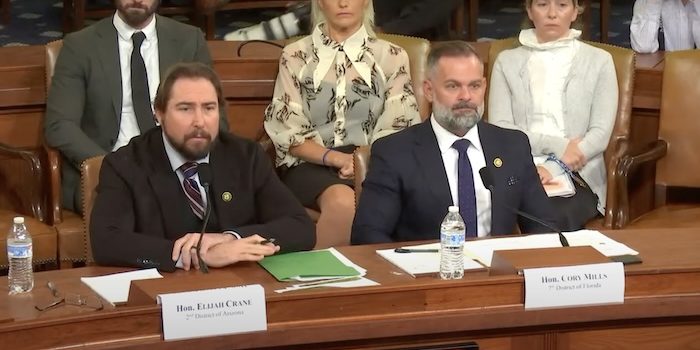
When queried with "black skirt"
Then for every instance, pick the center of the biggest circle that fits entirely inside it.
(307, 180)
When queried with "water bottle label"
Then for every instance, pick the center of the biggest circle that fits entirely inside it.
(452, 239)
(18, 251)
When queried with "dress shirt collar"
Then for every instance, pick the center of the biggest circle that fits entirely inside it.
(327, 49)
(176, 159)
(125, 31)
(445, 138)
(529, 39)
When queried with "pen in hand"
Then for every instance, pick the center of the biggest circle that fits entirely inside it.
(267, 241)
(408, 250)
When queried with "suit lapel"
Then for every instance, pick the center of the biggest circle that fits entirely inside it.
(168, 53)
(165, 184)
(223, 194)
(429, 160)
(492, 150)
(108, 51)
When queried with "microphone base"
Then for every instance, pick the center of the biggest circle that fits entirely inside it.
(512, 262)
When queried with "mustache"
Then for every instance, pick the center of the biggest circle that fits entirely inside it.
(198, 133)
(464, 104)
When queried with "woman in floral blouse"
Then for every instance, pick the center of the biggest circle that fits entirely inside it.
(338, 88)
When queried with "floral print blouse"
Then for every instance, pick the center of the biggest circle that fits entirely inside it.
(337, 94)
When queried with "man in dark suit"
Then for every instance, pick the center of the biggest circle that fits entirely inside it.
(151, 200)
(415, 174)
(91, 108)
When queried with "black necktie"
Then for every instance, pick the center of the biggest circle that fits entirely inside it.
(465, 188)
(140, 96)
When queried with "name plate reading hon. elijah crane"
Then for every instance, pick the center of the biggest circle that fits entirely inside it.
(574, 285)
(211, 312)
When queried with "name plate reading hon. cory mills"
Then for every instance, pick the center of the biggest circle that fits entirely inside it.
(211, 312)
(574, 285)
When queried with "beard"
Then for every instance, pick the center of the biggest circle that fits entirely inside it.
(193, 151)
(135, 14)
(457, 123)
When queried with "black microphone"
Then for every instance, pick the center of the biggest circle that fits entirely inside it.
(487, 179)
(204, 172)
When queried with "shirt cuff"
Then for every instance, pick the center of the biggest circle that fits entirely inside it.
(233, 233)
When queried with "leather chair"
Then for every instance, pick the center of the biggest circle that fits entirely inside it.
(44, 237)
(68, 224)
(675, 152)
(89, 178)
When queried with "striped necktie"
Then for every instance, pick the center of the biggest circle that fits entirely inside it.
(189, 183)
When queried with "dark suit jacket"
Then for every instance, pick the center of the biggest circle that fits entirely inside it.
(141, 207)
(406, 194)
(84, 105)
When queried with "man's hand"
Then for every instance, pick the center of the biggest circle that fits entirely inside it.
(185, 247)
(545, 175)
(573, 157)
(245, 249)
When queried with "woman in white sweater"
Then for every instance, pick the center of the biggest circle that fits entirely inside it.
(563, 94)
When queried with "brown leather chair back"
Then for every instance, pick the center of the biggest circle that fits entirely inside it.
(361, 164)
(89, 178)
(417, 50)
(623, 59)
(679, 125)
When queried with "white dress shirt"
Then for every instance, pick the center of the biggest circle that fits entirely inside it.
(681, 25)
(128, 126)
(450, 158)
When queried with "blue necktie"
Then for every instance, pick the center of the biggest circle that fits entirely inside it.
(465, 188)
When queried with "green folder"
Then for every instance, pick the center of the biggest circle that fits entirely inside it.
(318, 263)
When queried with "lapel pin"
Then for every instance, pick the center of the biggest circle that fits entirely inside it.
(497, 162)
(226, 196)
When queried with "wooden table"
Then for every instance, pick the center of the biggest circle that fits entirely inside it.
(661, 310)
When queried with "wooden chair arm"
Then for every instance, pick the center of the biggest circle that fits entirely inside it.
(360, 159)
(619, 146)
(54, 186)
(627, 165)
(32, 158)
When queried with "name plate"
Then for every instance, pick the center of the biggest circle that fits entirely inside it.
(211, 312)
(574, 285)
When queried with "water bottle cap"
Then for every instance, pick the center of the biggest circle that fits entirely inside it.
(453, 209)
(18, 220)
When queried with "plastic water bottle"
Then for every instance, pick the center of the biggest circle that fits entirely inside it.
(452, 233)
(19, 255)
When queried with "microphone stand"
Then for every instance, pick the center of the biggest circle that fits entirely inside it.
(488, 182)
(202, 265)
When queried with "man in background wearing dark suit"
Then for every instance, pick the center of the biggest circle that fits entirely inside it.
(415, 174)
(101, 91)
(151, 197)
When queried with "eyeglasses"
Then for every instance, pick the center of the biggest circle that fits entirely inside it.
(91, 302)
